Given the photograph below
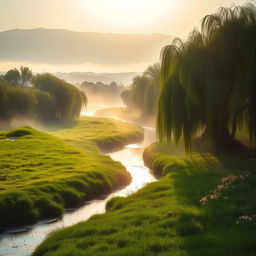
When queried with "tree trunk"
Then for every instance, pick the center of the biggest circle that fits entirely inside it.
(222, 140)
(225, 141)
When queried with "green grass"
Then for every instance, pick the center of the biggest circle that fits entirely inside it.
(40, 174)
(203, 205)
(107, 134)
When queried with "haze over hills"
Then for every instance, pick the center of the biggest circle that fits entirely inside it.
(107, 78)
(62, 48)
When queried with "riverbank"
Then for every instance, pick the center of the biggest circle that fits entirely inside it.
(123, 113)
(202, 205)
(41, 174)
(107, 134)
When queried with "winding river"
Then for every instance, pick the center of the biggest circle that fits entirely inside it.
(22, 241)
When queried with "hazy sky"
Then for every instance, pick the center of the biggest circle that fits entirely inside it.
(174, 17)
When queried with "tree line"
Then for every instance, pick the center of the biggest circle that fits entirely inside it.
(43, 97)
(101, 93)
(100, 88)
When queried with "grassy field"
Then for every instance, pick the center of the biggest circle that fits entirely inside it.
(41, 175)
(203, 205)
(107, 134)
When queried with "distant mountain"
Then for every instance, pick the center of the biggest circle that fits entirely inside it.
(63, 47)
(107, 78)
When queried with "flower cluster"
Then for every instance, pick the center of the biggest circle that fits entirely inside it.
(246, 218)
(225, 183)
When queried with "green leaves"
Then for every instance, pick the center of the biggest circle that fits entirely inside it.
(209, 80)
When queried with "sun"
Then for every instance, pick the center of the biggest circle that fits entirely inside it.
(128, 15)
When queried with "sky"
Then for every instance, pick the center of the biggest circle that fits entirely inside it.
(172, 17)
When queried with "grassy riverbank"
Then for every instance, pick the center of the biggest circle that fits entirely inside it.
(118, 112)
(125, 114)
(107, 134)
(41, 174)
(203, 205)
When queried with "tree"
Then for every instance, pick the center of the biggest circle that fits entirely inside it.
(209, 81)
(145, 90)
(45, 108)
(127, 98)
(26, 76)
(69, 100)
(13, 77)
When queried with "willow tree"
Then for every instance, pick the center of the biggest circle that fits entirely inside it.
(209, 82)
(145, 90)
(152, 89)
(68, 99)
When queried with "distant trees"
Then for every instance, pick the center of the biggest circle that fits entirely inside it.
(100, 88)
(15, 102)
(47, 98)
(68, 100)
(102, 93)
(127, 98)
(20, 77)
(13, 77)
(209, 82)
(144, 91)
(25, 76)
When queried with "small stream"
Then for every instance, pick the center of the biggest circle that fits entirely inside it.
(22, 241)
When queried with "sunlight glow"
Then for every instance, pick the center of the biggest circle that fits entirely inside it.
(130, 15)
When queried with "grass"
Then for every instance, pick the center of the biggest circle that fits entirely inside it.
(203, 205)
(41, 175)
(107, 134)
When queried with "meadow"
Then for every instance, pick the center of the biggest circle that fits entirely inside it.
(107, 134)
(42, 175)
(202, 205)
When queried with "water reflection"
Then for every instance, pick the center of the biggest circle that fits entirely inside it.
(12, 244)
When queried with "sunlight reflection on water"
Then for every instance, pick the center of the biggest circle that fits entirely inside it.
(131, 157)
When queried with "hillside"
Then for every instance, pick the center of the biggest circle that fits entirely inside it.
(63, 47)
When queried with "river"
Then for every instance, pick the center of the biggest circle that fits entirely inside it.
(22, 241)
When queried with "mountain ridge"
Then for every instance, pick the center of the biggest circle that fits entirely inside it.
(65, 47)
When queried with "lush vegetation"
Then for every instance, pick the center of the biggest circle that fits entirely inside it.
(202, 206)
(20, 77)
(143, 93)
(108, 134)
(203, 203)
(67, 100)
(42, 97)
(41, 174)
(209, 83)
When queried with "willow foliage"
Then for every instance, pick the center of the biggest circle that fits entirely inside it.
(68, 99)
(144, 91)
(48, 98)
(209, 81)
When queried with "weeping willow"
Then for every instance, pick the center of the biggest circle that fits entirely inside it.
(145, 90)
(209, 82)
(69, 100)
